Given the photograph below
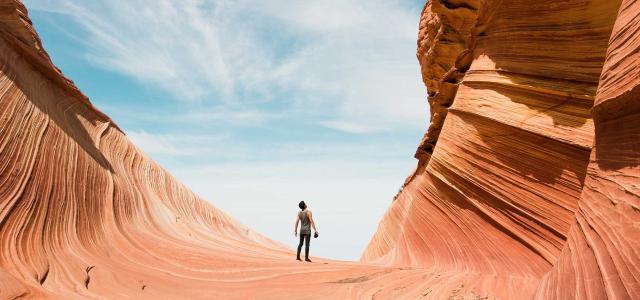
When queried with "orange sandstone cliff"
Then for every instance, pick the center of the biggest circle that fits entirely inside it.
(531, 164)
(84, 214)
(527, 186)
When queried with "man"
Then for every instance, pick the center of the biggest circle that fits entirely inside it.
(304, 217)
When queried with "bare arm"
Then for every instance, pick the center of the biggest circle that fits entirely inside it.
(295, 230)
(313, 223)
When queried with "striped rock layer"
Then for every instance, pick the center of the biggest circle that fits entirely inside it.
(531, 164)
(527, 186)
(84, 214)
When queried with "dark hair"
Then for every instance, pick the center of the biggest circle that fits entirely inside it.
(302, 205)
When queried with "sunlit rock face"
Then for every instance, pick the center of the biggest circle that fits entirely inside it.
(85, 214)
(82, 210)
(601, 258)
(530, 167)
(527, 186)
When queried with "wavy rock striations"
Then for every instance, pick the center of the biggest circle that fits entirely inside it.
(85, 214)
(504, 183)
(600, 259)
(527, 185)
(80, 206)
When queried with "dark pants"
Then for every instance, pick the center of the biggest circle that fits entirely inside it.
(304, 238)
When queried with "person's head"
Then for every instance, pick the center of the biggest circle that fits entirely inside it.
(302, 205)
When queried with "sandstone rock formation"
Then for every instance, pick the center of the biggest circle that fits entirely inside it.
(85, 214)
(508, 181)
(527, 186)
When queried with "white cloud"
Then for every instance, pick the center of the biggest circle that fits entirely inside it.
(348, 61)
(345, 126)
(180, 146)
(152, 144)
(177, 144)
(242, 117)
(318, 16)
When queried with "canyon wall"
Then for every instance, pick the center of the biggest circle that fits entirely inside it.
(527, 184)
(507, 182)
(84, 214)
(80, 205)
(600, 259)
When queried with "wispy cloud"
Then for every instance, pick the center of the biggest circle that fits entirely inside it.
(247, 117)
(348, 61)
(176, 144)
(227, 148)
(345, 126)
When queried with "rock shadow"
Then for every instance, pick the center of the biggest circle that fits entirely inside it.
(617, 141)
(531, 155)
(63, 109)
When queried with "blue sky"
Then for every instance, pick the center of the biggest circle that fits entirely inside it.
(256, 105)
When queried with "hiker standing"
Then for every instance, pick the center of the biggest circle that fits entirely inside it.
(306, 218)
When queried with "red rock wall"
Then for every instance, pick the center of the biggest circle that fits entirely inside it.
(527, 185)
(79, 203)
(601, 259)
(85, 214)
(502, 167)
